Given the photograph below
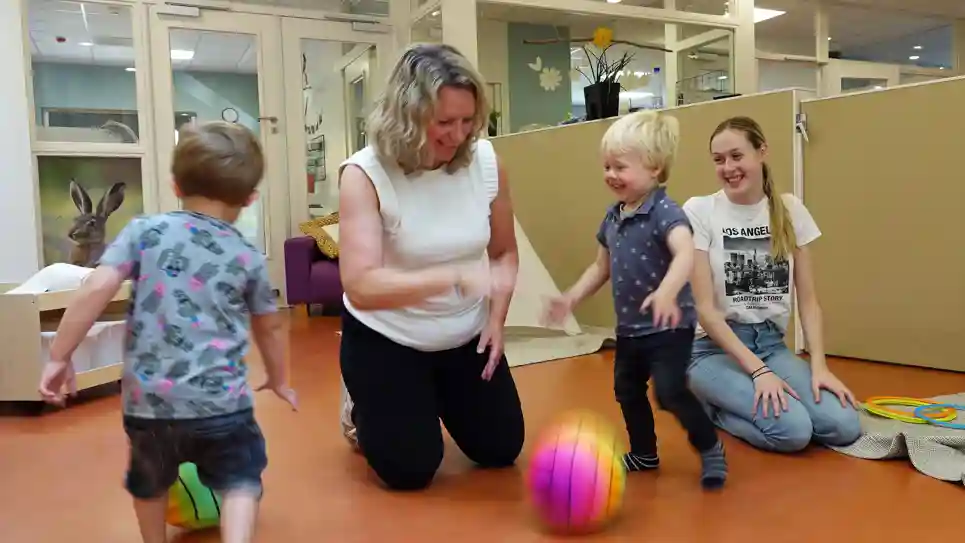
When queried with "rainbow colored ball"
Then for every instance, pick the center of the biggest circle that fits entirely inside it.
(576, 476)
(191, 505)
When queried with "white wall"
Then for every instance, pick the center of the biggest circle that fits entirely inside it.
(836, 70)
(19, 203)
(777, 74)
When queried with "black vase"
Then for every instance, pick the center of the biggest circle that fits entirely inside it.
(602, 100)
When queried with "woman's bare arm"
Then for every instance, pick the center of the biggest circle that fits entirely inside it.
(503, 250)
(810, 310)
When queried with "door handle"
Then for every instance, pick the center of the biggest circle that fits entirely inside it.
(273, 120)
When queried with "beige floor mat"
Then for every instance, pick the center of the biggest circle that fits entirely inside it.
(935, 451)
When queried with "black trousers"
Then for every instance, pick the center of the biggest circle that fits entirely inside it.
(664, 356)
(400, 395)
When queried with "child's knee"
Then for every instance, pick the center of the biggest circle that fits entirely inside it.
(627, 391)
(675, 396)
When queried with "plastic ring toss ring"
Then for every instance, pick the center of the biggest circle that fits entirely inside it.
(923, 412)
(936, 412)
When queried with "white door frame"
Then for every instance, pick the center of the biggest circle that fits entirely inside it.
(293, 32)
(271, 96)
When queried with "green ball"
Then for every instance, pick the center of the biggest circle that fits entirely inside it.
(191, 505)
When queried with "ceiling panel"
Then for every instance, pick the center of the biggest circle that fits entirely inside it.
(85, 33)
(857, 29)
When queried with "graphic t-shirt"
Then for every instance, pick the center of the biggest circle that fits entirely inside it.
(196, 281)
(750, 285)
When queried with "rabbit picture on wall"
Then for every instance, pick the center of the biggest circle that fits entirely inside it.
(89, 228)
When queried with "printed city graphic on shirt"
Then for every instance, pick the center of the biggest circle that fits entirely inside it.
(752, 277)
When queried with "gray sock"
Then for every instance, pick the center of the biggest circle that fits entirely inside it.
(713, 472)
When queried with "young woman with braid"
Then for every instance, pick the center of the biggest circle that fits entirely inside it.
(751, 248)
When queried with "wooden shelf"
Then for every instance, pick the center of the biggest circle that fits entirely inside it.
(22, 319)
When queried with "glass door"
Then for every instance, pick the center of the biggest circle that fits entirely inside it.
(213, 65)
(333, 74)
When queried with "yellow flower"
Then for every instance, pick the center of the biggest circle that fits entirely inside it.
(602, 37)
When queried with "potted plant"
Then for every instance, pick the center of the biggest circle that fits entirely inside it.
(602, 95)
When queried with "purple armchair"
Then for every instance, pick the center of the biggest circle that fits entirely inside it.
(311, 277)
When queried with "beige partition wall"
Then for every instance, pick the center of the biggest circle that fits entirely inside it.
(884, 181)
(560, 198)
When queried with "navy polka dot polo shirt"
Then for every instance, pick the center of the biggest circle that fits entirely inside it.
(639, 259)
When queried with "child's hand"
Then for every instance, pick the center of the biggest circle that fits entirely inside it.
(556, 310)
(56, 377)
(666, 312)
(283, 391)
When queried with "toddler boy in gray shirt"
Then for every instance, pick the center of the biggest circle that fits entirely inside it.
(199, 292)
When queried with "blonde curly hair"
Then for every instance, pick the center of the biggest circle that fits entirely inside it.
(397, 125)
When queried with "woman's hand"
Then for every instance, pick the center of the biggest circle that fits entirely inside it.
(501, 283)
(771, 390)
(823, 378)
(474, 280)
(492, 337)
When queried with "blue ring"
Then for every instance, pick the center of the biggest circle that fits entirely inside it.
(921, 412)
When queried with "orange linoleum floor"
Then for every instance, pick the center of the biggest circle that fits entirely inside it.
(61, 473)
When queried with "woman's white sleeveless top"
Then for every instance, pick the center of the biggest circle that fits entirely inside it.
(430, 219)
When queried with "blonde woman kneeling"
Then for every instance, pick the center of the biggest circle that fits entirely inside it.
(746, 239)
(422, 333)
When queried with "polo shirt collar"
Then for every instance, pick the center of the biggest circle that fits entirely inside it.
(656, 196)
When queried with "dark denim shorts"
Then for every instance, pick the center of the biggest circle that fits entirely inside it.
(229, 451)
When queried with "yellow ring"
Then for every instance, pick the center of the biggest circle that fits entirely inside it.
(875, 405)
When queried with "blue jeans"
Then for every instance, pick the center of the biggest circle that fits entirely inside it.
(727, 392)
(229, 451)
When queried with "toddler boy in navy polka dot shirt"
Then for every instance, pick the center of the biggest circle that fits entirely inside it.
(646, 251)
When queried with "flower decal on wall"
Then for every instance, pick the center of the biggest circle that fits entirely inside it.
(549, 78)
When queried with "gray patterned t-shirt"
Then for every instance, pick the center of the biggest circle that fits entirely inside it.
(196, 282)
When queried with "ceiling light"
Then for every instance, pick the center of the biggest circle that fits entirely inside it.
(917, 48)
(914, 57)
(613, 1)
(181, 54)
(761, 14)
(85, 44)
(435, 13)
(131, 69)
(722, 78)
(829, 38)
(941, 67)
